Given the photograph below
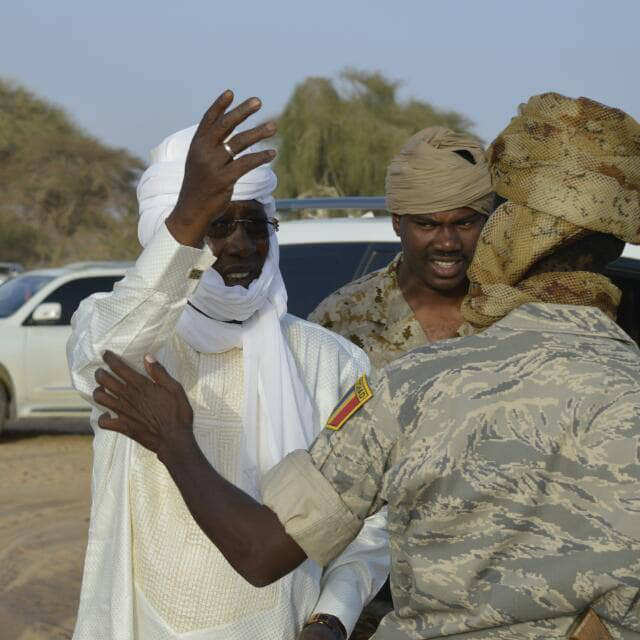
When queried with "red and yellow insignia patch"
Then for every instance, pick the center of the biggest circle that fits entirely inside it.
(357, 396)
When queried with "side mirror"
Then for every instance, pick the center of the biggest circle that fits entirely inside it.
(47, 313)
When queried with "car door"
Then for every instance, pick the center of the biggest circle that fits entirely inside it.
(48, 383)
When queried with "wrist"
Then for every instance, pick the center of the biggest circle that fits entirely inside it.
(186, 227)
(331, 622)
(176, 450)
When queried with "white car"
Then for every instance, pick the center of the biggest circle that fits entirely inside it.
(317, 257)
(9, 270)
(35, 315)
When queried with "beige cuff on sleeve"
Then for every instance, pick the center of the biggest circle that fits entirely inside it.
(308, 506)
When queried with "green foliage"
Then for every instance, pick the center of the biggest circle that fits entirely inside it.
(64, 196)
(338, 138)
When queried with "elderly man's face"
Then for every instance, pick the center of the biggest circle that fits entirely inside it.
(241, 248)
(438, 247)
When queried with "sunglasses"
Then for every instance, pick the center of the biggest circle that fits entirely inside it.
(256, 229)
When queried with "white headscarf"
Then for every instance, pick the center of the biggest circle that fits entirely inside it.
(278, 415)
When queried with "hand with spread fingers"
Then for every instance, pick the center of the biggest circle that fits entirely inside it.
(213, 166)
(153, 411)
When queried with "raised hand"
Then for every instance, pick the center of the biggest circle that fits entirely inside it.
(211, 170)
(154, 411)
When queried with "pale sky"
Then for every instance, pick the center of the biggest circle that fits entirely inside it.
(133, 72)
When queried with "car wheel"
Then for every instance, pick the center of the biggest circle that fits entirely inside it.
(4, 406)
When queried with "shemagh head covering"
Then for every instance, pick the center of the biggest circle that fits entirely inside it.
(565, 166)
(428, 176)
(278, 415)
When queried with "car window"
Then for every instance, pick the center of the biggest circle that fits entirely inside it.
(72, 293)
(14, 293)
(312, 271)
(377, 256)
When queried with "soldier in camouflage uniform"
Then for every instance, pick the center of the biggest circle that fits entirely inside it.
(439, 194)
(508, 458)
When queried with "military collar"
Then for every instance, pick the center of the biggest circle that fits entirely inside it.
(564, 318)
(383, 295)
(396, 307)
(393, 311)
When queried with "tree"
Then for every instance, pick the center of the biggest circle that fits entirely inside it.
(339, 137)
(63, 194)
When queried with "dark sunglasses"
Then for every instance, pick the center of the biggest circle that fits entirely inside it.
(257, 229)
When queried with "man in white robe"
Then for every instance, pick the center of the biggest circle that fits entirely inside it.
(247, 367)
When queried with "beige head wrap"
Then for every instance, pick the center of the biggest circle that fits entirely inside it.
(565, 166)
(428, 177)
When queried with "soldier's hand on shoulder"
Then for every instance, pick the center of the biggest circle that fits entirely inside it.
(153, 410)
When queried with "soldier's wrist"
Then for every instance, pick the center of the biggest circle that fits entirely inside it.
(333, 623)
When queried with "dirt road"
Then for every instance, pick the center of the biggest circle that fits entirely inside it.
(44, 513)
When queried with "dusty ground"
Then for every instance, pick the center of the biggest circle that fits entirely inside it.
(44, 512)
(45, 471)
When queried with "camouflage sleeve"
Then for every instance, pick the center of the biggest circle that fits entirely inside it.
(323, 496)
(355, 456)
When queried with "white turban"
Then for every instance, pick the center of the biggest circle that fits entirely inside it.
(160, 184)
(278, 414)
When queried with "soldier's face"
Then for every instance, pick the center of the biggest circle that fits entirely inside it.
(438, 247)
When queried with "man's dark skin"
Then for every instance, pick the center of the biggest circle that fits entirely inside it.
(239, 253)
(248, 534)
(437, 249)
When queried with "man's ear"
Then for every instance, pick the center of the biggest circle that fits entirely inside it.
(396, 221)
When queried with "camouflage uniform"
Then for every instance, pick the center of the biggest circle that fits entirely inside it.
(509, 461)
(373, 314)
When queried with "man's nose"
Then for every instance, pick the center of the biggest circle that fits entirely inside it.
(447, 239)
(240, 242)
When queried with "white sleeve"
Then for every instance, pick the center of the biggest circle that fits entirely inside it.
(352, 580)
(140, 314)
(357, 574)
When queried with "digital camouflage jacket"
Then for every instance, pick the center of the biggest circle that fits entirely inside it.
(509, 461)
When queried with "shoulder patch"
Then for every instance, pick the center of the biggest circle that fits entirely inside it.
(355, 398)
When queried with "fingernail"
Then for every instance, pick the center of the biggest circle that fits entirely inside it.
(149, 358)
(255, 102)
(272, 153)
(270, 126)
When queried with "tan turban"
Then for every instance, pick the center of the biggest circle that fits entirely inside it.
(565, 166)
(427, 176)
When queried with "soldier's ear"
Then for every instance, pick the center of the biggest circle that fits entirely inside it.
(395, 221)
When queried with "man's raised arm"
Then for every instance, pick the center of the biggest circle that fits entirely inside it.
(143, 309)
